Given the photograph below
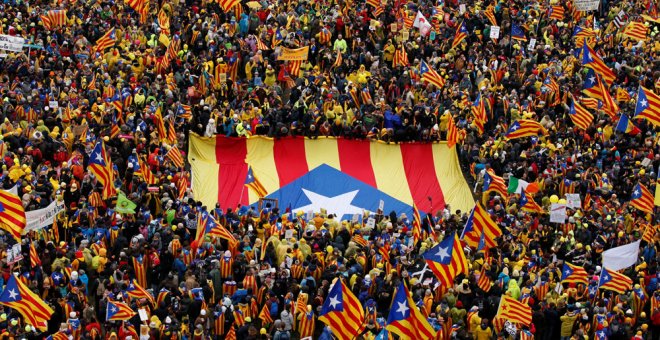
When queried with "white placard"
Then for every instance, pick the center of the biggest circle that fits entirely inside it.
(53, 104)
(371, 223)
(14, 254)
(532, 44)
(494, 32)
(557, 213)
(310, 215)
(143, 314)
(646, 162)
(461, 8)
(356, 218)
(381, 205)
(573, 201)
(288, 234)
(11, 47)
(37, 219)
(12, 39)
(586, 5)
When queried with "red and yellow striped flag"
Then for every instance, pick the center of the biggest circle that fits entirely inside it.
(12, 214)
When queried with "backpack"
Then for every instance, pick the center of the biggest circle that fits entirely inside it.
(282, 335)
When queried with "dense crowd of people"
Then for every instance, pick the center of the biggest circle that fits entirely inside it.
(176, 67)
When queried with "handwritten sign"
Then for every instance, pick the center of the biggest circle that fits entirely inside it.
(573, 201)
(557, 213)
(494, 32)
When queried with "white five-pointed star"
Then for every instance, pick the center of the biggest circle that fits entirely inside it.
(606, 278)
(442, 253)
(99, 158)
(57, 276)
(13, 294)
(592, 79)
(340, 205)
(644, 103)
(567, 272)
(637, 192)
(402, 308)
(334, 301)
(514, 127)
(113, 309)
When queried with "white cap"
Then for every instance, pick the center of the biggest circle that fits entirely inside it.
(203, 312)
(168, 320)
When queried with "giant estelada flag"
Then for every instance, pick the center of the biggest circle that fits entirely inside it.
(342, 176)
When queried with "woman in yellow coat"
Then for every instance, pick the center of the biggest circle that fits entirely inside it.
(270, 76)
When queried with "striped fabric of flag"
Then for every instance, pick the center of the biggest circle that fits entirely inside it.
(490, 14)
(264, 315)
(525, 128)
(447, 260)
(649, 232)
(405, 319)
(557, 12)
(614, 281)
(430, 75)
(642, 199)
(479, 112)
(574, 274)
(17, 296)
(279, 163)
(648, 106)
(12, 214)
(591, 59)
(514, 311)
(378, 7)
(101, 167)
(484, 281)
(452, 132)
(260, 44)
(140, 268)
(527, 203)
(141, 7)
(400, 57)
(175, 156)
(416, 224)
(343, 312)
(580, 116)
(54, 18)
(635, 30)
(227, 5)
(118, 311)
(146, 173)
(107, 40)
(493, 182)
(134, 290)
(35, 260)
(461, 34)
(480, 224)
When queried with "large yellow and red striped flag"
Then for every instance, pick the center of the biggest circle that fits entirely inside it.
(514, 311)
(141, 7)
(300, 173)
(480, 225)
(140, 268)
(642, 199)
(343, 312)
(452, 132)
(400, 57)
(648, 106)
(19, 297)
(405, 320)
(12, 214)
(580, 116)
(615, 281)
(430, 75)
(54, 18)
(107, 40)
(635, 31)
(227, 5)
(416, 224)
(447, 260)
(175, 156)
(461, 34)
